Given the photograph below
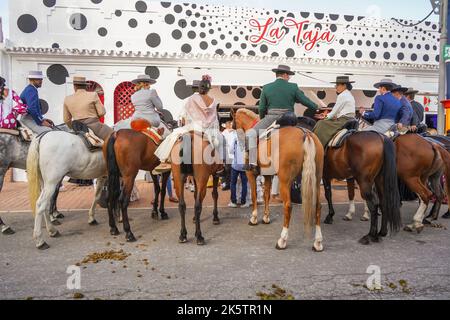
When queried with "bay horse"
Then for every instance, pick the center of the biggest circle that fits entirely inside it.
(126, 152)
(193, 156)
(52, 156)
(295, 152)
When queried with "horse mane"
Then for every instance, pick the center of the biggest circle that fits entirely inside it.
(248, 112)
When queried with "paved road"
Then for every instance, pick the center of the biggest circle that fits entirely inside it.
(238, 262)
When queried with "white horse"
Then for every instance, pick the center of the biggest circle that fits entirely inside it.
(51, 157)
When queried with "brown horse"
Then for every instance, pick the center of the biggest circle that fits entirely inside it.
(188, 159)
(420, 165)
(294, 152)
(126, 152)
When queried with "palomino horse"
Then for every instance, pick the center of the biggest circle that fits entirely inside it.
(51, 157)
(126, 152)
(13, 154)
(188, 158)
(299, 153)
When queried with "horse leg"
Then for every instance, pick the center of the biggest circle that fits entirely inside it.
(157, 190)
(98, 193)
(179, 180)
(252, 180)
(267, 188)
(128, 183)
(43, 208)
(201, 187)
(287, 209)
(215, 195)
(329, 197)
(368, 194)
(55, 214)
(351, 198)
(318, 239)
(6, 230)
(165, 178)
(416, 185)
(436, 187)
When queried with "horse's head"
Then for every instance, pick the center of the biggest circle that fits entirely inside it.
(244, 119)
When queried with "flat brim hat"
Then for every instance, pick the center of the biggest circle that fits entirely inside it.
(343, 80)
(411, 91)
(398, 88)
(144, 78)
(284, 69)
(79, 80)
(385, 83)
(35, 75)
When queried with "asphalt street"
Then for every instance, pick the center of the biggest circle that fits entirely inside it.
(237, 262)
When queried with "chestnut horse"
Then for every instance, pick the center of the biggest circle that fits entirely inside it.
(188, 159)
(298, 152)
(126, 152)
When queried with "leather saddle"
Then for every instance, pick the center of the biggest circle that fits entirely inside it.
(349, 128)
(92, 142)
(22, 132)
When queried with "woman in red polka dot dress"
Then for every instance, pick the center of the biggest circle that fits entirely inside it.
(10, 107)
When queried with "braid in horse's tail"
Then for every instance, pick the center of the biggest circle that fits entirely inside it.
(34, 174)
(113, 176)
(390, 195)
(309, 183)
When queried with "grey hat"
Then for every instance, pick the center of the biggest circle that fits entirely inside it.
(144, 78)
(411, 91)
(399, 88)
(285, 69)
(343, 80)
(385, 83)
(35, 75)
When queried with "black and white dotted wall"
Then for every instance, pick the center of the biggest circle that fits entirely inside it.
(142, 26)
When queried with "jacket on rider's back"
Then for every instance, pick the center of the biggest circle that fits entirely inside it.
(30, 97)
(386, 107)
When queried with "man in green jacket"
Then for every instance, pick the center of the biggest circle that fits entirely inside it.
(277, 98)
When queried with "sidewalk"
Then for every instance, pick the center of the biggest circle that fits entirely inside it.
(14, 197)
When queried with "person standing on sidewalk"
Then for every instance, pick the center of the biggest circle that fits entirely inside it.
(238, 170)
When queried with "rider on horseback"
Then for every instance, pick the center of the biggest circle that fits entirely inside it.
(408, 118)
(34, 120)
(86, 108)
(10, 106)
(343, 111)
(386, 109)
(277, 98)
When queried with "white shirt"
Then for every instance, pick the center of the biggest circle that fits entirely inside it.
(345, 105)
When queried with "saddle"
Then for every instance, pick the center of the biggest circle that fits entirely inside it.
(347, 130)
(22, 131)
(144, 127)
(92, 142)
(288, 119)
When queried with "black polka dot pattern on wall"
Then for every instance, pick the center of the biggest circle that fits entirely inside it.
(27, 23)
(153, 72)
(102, 32)
(370, 93)
(49, 3)
(182, 90)
(44, 106)
(141, 6)
(57, 74)
(153, 40)
(78, 21)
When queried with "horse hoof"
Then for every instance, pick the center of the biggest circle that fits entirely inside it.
(364, 240)
(44, 246)
(446, 215)
(375, 239)
(130, 237)
(164, 216)
(56, 235)
(345, 218)
(383, 234)
(279, 248)
(114, 232)
(407, 229)
(328, 220)
(251, 224)
(364, 219)
(216, 222)
(419, 229)
(201, 242)
(182, 239)
(266, 222)
(314, 249)
(93, 223)
(155, 216)
(56, 223)
(8, 231)
(59, 215)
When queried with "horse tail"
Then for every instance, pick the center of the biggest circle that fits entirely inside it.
(390, 195)
(309, 182)
(186, 155)
(113, 175)
(446, 159)
(34, 174)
